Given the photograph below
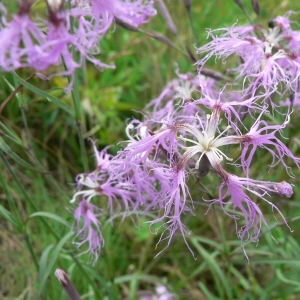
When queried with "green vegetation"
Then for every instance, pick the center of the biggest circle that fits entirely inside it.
(41, 154)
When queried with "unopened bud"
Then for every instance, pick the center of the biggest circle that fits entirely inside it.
(67, 285)
(283, 189)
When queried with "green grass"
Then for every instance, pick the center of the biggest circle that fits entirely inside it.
(41, 155)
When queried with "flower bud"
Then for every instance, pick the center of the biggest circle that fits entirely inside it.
(284, 189)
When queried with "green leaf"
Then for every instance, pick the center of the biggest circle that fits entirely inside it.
(8, 216)
(43, 261)
(51, 216)
(45, 95)
(240, 278)
(286, 280)
(7, 150)
(203, 266)
(215, 269)
(140, 277)
(206, 292)
(11, 134)
(207, 241)
(271, 261)
(47, 269)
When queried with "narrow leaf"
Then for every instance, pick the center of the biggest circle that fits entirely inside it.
(8, 216)
(53, 259)
(51, 216)
(7, 150)
(286, 280)
(44, 261)
(215, 268)
(15, 91)
(44, 95)
(139, 277)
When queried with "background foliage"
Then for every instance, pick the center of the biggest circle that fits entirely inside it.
(40, 156)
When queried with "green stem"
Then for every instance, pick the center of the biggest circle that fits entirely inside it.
(226, 250)
(78, 109)
(30, 150)
(77, 103)
(11, 202)
(170, 43)
(26, 196)
(193, 28)
(86, 275)
(30, 248)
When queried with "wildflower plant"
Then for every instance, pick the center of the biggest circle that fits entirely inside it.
(161, 157)
(192, 128)
(196, 143)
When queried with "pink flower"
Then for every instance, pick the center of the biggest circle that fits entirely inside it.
(134, 12)
(250, 49)
(18, 38)
(265, 138)
(268, 63)
(57, 47)
(174, 201)
(88, 228)
(235, 188)
(177, 97)
(100, 14)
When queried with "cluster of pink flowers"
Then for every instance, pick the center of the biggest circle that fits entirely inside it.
(269, 58)
(186, 132)
(27, 43)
